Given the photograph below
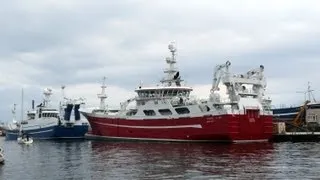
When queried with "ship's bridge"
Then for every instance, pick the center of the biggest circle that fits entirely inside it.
(31, 115)
(162, 92)
(48, 112)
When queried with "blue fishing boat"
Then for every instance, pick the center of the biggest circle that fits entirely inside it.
(286, 113)
(71, 124)
(290, 113)
(306, 116)
(40, 123)
(47, 122)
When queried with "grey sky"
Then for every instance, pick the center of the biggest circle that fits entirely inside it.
(75, 42)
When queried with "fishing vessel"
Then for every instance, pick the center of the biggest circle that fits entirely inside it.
(48, 122)
(69, 127)
(167, 112)
(40, 123)
(289, 113)
(304, 117)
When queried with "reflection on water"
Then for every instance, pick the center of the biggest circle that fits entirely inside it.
(179, 160)
(136, 160)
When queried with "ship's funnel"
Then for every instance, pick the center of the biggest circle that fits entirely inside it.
(67, 112)
(76, 112)
(32, 104)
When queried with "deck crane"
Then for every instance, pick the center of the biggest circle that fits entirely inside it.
(298, 122)
(250, 84)
(218, 73)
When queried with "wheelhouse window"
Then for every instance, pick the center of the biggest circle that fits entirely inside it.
(174, 93)
(165, 112)
(149, 112)
(99, 111)
(50, 115)
(183, 110)
(152, 93)
(31, 116)
(131, 112)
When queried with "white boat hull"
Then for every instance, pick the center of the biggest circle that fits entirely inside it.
(25, 141)
(1, 158)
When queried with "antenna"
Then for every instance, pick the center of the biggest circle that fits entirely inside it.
(141, 84)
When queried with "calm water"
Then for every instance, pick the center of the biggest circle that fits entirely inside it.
(132, 160)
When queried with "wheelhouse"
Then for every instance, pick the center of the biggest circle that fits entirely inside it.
(162, 92)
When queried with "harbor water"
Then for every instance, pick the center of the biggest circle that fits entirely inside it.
(99, 160)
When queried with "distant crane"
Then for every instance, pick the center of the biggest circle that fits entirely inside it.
(298, 122)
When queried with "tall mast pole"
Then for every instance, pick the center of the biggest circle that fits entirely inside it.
(102, 96)
(22, 104)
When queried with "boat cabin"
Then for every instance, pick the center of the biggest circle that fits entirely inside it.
(47, 113)
(31, 115)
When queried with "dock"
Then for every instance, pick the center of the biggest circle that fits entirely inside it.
(281, 135)
(296, 137)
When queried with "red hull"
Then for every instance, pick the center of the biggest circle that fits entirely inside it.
(224, 128)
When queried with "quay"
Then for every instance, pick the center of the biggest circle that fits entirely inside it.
(281, 135)
(296, 137)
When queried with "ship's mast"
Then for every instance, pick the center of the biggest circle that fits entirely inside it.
(47, 93)
(172, 72)
(308, 92)
(62, 102)
(22, 104)
(14, 113)
(62, 92)
(102, 96)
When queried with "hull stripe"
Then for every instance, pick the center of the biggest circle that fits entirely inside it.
(91, 136)
(31, 132)
(153, 127)
(285, 114)
(41, 131)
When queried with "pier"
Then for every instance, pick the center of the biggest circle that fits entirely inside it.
(280, 135)
(296, 137)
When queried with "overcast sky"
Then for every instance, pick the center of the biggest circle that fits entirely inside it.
(47, 43)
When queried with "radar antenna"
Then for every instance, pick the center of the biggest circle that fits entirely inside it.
(173, 76)
(47, 92)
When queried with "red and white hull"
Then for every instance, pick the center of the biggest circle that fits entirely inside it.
(219, 128)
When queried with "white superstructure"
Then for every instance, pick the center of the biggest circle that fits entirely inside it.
(244, 91)
(171, 99)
